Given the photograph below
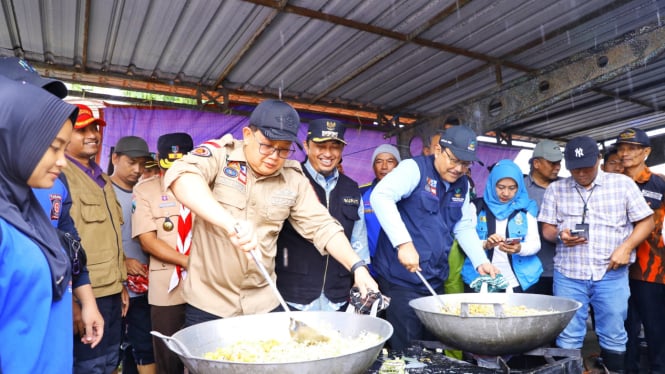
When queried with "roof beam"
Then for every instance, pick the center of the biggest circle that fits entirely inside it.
(564, 78)
(506, 57)
(526, 95)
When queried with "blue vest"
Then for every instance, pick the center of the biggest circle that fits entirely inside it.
(299, 266)
(527, 269)
(430, 214)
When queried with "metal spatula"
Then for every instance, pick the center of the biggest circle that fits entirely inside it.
(300, 331)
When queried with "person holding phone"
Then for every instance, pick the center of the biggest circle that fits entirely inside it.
(615, 218)
(508, 227)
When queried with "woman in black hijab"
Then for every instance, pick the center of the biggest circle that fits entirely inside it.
(35, 274)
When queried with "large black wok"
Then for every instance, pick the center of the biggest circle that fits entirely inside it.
(208, 336)
(496, 335)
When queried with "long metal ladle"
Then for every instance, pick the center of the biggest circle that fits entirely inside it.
(431, 290)
(300, 332)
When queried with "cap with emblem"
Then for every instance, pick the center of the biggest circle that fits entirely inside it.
(581, 152)
(172, 147)
(634, 136)
(20, 70)
(322, 130)
(152, 162)
(277, 120)
(132, 146)
(548, 150)
(85, 118)
(461, 140)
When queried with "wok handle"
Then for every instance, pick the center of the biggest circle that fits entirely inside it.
(178, 344)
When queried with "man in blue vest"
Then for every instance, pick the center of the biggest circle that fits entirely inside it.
(307, 280)
(423, 205)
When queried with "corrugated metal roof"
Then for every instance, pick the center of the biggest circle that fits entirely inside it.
(414, 58)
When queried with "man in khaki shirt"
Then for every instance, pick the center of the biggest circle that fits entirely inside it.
(155, 224)
(251, 187)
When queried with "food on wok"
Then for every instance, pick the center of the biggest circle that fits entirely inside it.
(487, 310)
(276, 351)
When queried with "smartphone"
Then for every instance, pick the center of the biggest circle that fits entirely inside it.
(512, 241)
(579, 232)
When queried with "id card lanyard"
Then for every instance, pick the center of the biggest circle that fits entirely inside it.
(586, 202)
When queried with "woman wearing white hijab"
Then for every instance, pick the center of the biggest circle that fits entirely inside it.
(35, 273)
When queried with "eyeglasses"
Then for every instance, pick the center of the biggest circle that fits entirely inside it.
(267, 149)
(456, 161)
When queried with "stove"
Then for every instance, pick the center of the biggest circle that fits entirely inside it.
(427, 357)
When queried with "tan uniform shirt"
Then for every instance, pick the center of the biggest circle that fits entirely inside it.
(152, 208)
(220, 278)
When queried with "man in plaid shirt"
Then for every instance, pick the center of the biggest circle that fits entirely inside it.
(597, 220)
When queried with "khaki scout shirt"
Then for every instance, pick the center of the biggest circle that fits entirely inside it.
(221, 280)
(152, 208)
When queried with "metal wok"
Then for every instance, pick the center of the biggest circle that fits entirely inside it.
(208, 336)
(496, 335)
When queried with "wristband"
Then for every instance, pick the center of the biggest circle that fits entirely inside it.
(358, 264)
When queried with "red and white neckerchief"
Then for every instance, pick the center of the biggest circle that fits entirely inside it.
(183, 245)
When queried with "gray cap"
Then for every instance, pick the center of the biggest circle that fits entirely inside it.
(132, 146)
(548, 150)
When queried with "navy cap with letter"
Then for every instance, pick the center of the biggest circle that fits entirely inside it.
(581, 152)
(461, 140)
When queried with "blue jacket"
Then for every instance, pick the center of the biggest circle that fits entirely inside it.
(35, 330)
(429, 214)
(56, 202)
(372, 223)
(527, 269)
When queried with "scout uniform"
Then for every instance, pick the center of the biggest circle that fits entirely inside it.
(221, 280)
(157, 210)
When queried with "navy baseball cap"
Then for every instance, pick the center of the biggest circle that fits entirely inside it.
(634, 136)
(581, 152)
(461, 140)
(277, 120)
(321, 130)
(20, 70)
